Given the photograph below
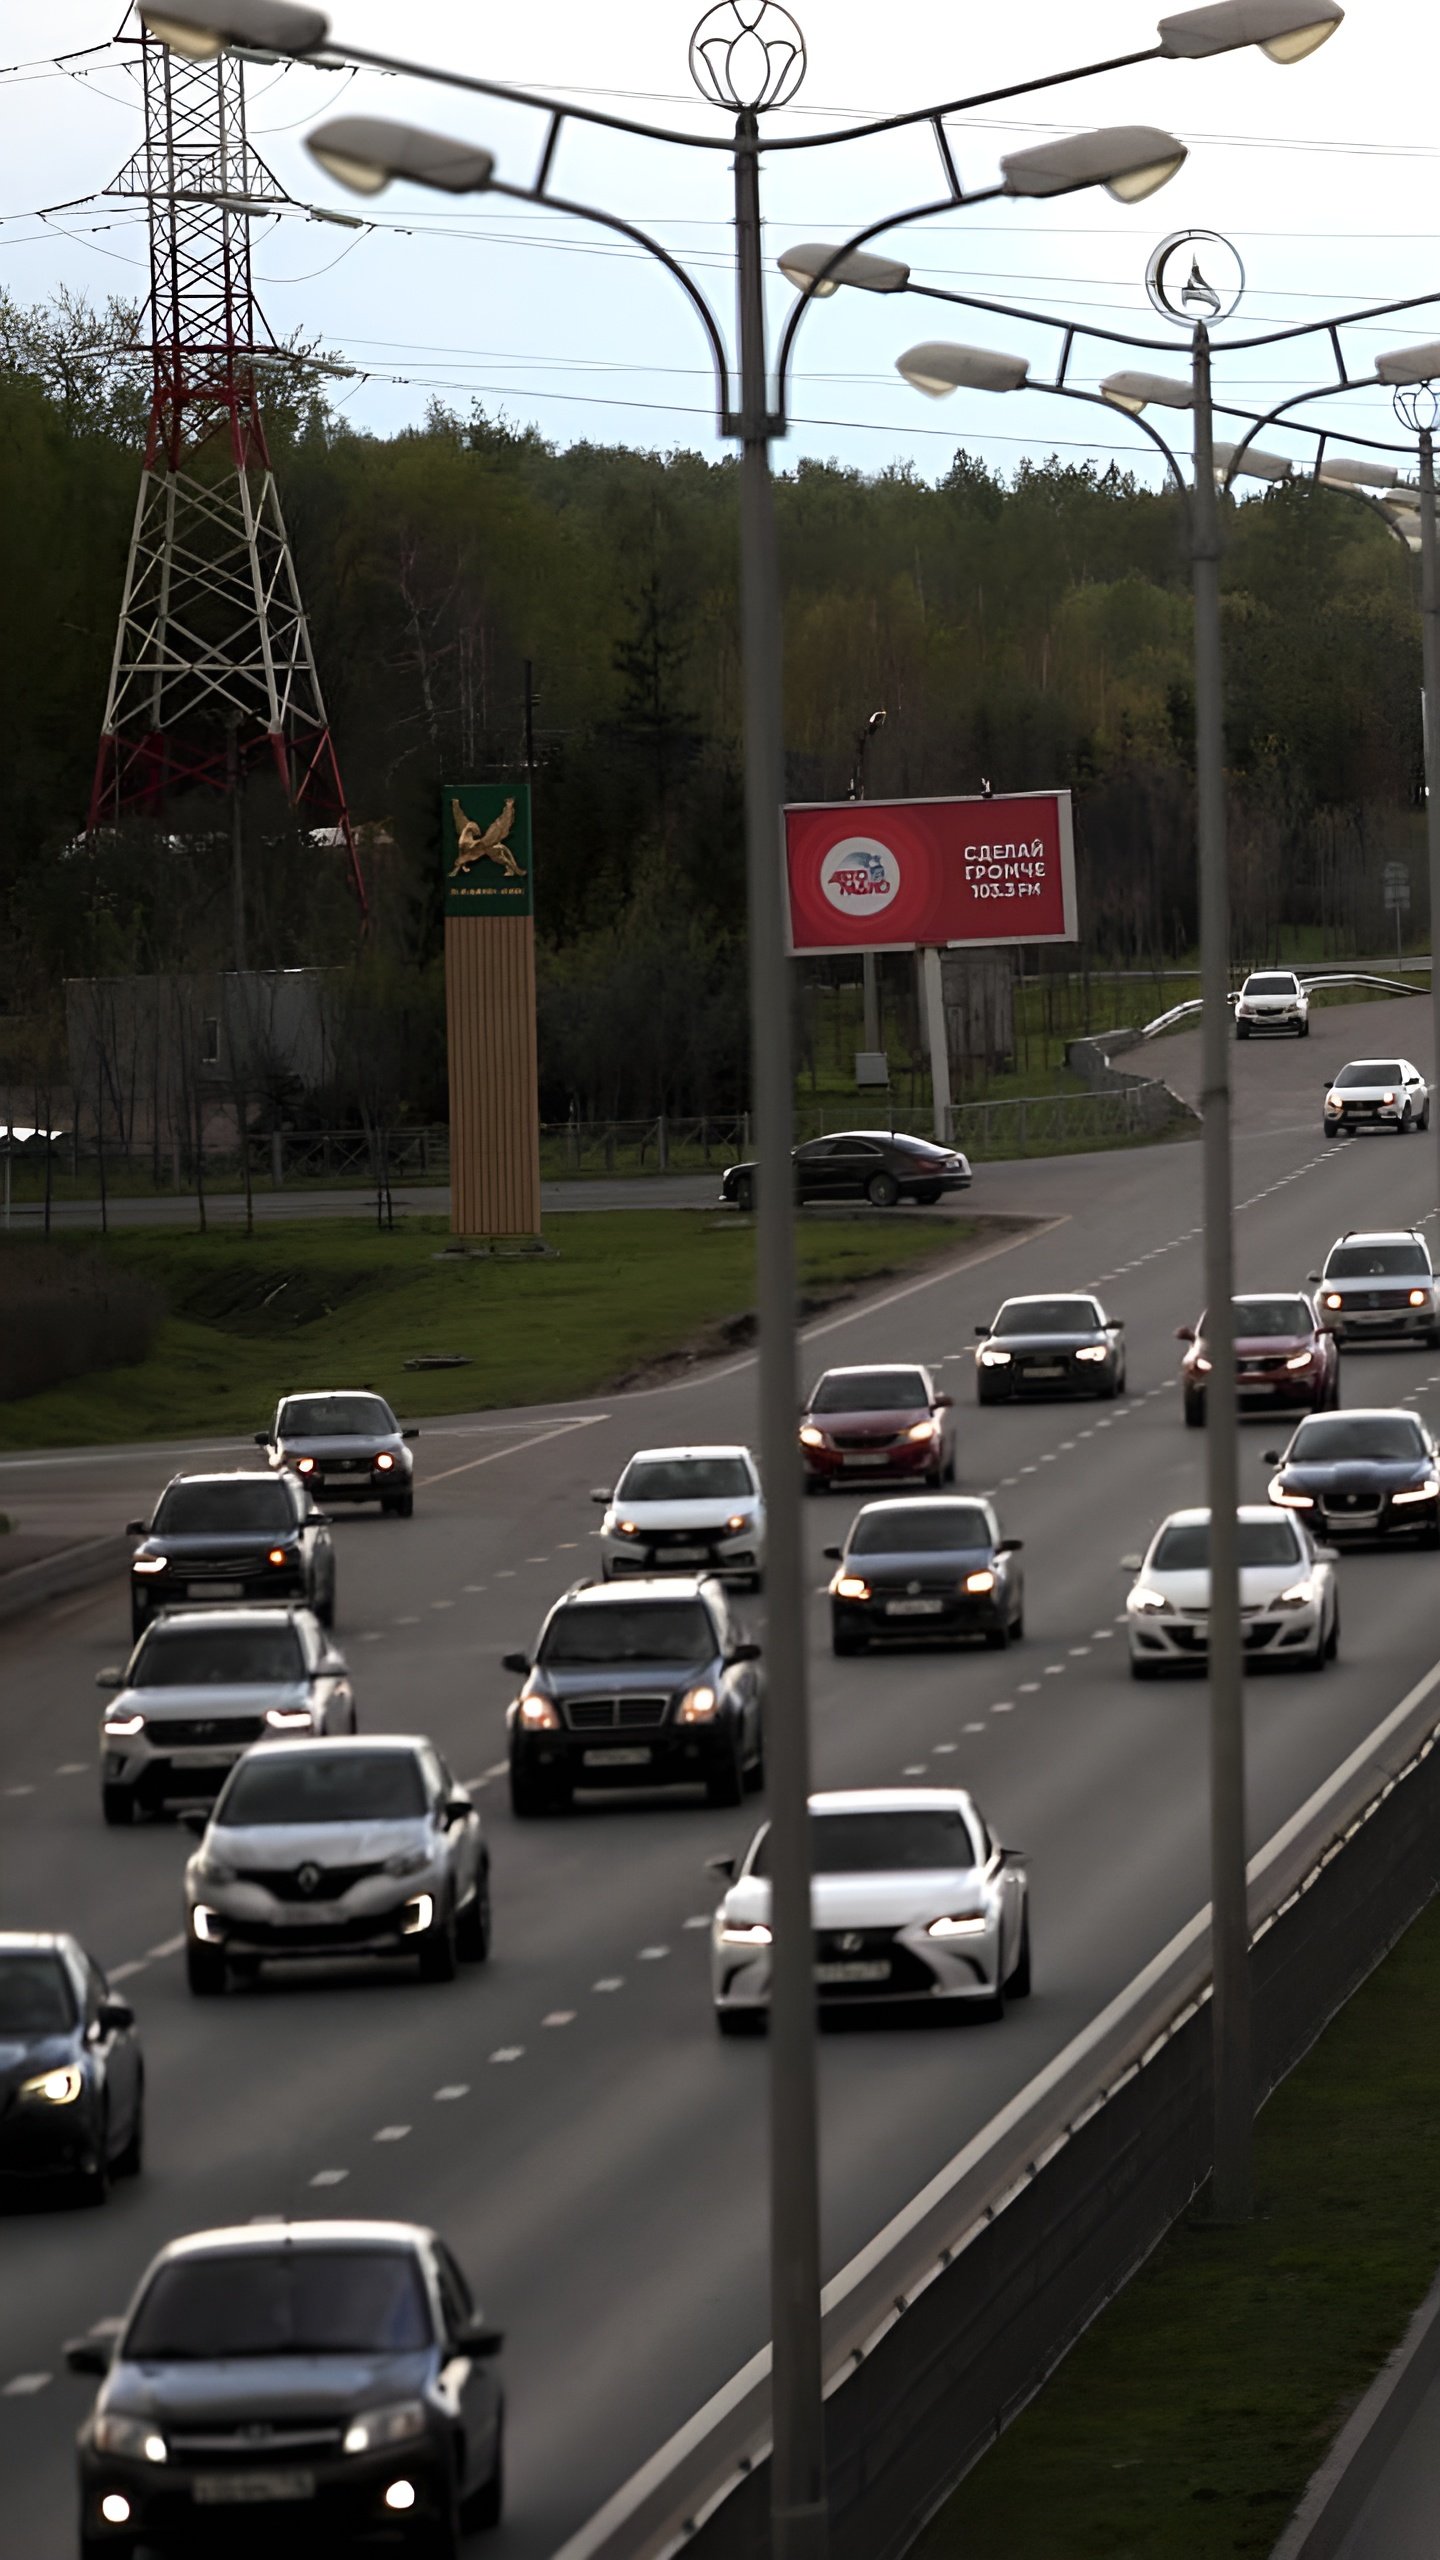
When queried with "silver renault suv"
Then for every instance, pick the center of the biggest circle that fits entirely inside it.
(199, 1688)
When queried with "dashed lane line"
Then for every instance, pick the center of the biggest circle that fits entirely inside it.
(391, 2133)
(507, 2053)
(329, 2177)
(23, 2386)
(453, 2089)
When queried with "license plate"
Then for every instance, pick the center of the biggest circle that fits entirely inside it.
(859, 1969)
(625, 1755)
(215, 1590)
(684, 1555)
(217, 1759)
(913, 1608)
(1046, 1369)
(864, 1458)
(250, 2488)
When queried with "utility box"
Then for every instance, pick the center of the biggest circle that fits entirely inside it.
(872, 1067)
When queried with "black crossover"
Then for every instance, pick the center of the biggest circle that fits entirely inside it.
(232, 1537)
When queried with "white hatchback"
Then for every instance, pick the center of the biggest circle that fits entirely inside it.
(1289, 1606)
(1272, 1000)
(689, 1510)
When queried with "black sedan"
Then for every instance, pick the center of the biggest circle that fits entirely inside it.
(1361, 1473)
(926, 1567)
(879, 1165)
(345, 1445)
(232, 1537)
(1049, 1347)
(72, 2083)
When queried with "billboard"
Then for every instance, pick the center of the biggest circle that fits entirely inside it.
(894, 875)
(485, 844)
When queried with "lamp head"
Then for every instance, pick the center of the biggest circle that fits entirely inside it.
(858, 267)
(365, 152)
(1285, 29)
(201, 29)
(939, 368)
(1130, 160)
(1136, 391)
(1349, 471)
(1255, 465)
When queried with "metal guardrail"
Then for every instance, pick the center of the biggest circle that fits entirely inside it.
(1339, 978)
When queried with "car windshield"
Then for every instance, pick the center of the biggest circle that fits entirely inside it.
(1377, 1262)
(281, 2302)
(217, 1657)
(1271, 1315)
(601, 1632)
(1047, 1315)
(1185, 1546)
(1357, 1435)
(233, 1502)
(871, 1391)
(323, 1786)
(1271, 986)
(36, 1997)
(684, 1480)
(935, 1528)
(890, 1841)
(1372, 1071)
(334, 1418)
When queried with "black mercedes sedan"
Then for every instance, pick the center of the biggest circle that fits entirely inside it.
(1362, 1472)
(1049, 1347)
(926, 1566)
(346, 1445)
(232, 1537)
(883, 1166)
(72, 2082)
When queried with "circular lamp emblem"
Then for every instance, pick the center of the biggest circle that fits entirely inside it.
(860, 876)
(747, 54)
(1195, 275)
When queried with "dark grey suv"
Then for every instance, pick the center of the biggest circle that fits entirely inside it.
(637, 1684)
(241, 1536)
(334, 2376)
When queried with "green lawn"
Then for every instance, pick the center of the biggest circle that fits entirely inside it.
(335, 1304)
(1186, 2423)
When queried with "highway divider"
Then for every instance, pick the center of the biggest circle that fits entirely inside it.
(29, 1586)
(939, 2332)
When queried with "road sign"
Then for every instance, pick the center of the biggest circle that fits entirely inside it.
(1396, 880)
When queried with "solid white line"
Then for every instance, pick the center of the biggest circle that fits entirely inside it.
(537, 1439)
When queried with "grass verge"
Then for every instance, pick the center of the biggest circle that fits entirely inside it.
(331, 1304)
(1186, 2423)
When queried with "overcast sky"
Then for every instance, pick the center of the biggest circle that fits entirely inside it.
(1322, 174)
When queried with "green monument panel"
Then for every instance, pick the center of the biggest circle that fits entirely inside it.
(485, 834)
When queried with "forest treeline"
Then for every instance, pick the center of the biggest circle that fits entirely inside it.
(1030, 631)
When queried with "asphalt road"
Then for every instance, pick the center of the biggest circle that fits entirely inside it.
(567, 2115)
(1400, 2519)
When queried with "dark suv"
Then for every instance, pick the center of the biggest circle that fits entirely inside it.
(232, 1537)
(636, 1684)
(330, 2375)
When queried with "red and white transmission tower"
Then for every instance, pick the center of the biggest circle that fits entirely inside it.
(213, 666)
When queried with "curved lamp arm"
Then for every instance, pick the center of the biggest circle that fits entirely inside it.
(812, 291)
(1301, 399)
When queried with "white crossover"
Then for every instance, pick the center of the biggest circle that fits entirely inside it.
(1272, 1000)
(1289, 1606)
(1376, 1093)
(685, 1511)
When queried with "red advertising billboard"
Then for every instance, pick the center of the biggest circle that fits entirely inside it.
(894, 875)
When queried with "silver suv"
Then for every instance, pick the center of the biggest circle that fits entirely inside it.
(1379, 1285)
(199, 1688)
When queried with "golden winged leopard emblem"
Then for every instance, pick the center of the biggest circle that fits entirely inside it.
(476, 844)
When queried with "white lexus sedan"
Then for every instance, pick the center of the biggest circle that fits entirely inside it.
(912, 1901)
(1289, 1605)
(1272, 1000)
(693, 1510)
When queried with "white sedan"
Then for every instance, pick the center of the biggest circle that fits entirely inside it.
(911, 1898)
(694, 1510)
(1377, 1093)
(1272, 1000)
(1289, 1606)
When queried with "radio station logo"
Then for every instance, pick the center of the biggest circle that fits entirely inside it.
(860, 877)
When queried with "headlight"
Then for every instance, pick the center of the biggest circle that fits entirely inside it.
(959, 1924)
(1299, 1595)
(537, 1714)
(206, 1924)
(1299, 1359)
(395, 2425)
(849, 1586)
(149, 1564)
(1425, 1492)
(994, 1359)
(1387, 1097)
(289, 1719)
(279, 1555)
(1291, 1501)
(624, 1528)
(122, 1726)
(737, 1521)
(922, 1430)
(1418, 1297)
(1333, 1102)
(810, 1438)
(736, 1933)
(214, 1870)
(417, 1916)
(138, 2437)
(984, 1580)
(699, 1705)
(56, 2088)
(1205, 1366)
(1333, 1298)
(1142, 1597)
(384, 1461)
(1092, 1351)
(304, 1466)
(407, 1862)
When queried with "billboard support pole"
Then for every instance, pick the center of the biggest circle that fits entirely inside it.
(933, 982)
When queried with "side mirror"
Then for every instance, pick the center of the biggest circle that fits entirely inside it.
(476, 2339)
(833, 1555)
(599, 1494)
(722, 1867)
(1010, 1546)
(940, 1403)
(114, 2016)
(515, 1662)
(89, 2355)
(1131, 1564)
(1313, 1277)
(1012, 1857)
(333, 1663)
(110, 1678)
(262, 1439)
(1116, 1323)
(457, 1809)
(1271, 1457)
(197, 1822)
(412, 1432)
(1327, 1555)
(323, 1519)
(1184, 1333)
(743, 1653)
(983, 1330)
(134, 1528)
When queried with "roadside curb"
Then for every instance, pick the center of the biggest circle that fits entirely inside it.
(28, 1586)
(1360, 2452)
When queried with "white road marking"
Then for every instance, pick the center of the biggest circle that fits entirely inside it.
(391, 2133)
(945, 1746)
(1076, 1650)
(373, 1635)
(329, 2177)
(71, 1768)
(697, 1920)
(1003, 1707)
(537, 1559)
(1028, 1688)
(507, 2053)
(21, 2385)
(19, 1791)
(506, 1573)
(475, 1586)
(442, 1604)
(974, 1728)
(558, 2018)
(1053, 1670)
(651, 1955)
(167, 1947)
(407, 1622)
(610, 1982)
(1101, 1635)
(537, 1439)
(124, 1972)
(913, 1769)
(452, 2089)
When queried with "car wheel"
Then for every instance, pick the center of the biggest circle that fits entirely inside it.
(406, 1506)
(996, 1639)
(740, 2022)
(485, 2505)
(1332, 1649)
(440, 2539)
(1425, 1116)
(93, 2185)
(984, 1394)
(726, 1785)
(325, 1609)
(1405, 1123)
(1329, 1130)
(139, 1621)
(882, 1190)
(530, 1797)
(1017, 1625)
(1109, 1388)
(1302, 1031)
(1195, 1413)
(118, 1806)
(1242, 1030)
(1143, 1670)
(473, 1928)
(205, 1971)
(744, 1193)
(130, 2161)
(439, 1952)
(925, 1194)
(755, 1772)
(1018, 1985)
(108, 2546)
(847, 1643)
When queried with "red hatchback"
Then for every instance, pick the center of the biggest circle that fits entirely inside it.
(1283, 1356)
(888, 1422)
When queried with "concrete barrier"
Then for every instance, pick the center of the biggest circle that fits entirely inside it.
(29, 1586)
(1357, 2459)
